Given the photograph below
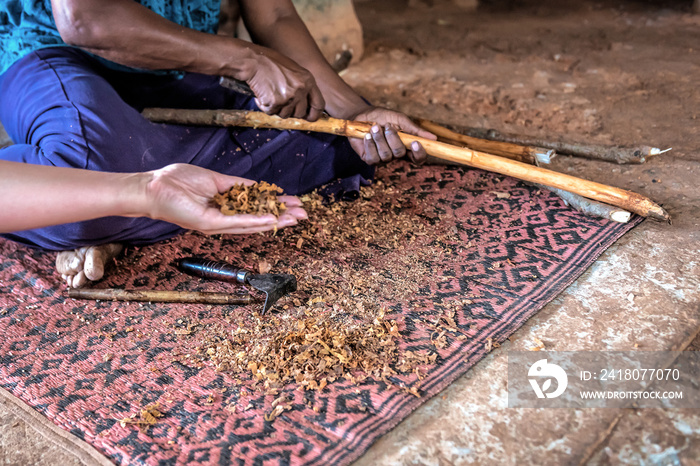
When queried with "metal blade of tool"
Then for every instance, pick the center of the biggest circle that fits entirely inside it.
(236, 85)
(241, 87)
(273, 285)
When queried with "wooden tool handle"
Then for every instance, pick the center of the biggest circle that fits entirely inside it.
(157, 296)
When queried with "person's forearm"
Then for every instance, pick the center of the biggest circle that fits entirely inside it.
(276, 24)
(33, 196)
(130, 34)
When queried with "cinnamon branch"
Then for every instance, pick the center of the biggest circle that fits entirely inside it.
(533, 156)
(627, 200)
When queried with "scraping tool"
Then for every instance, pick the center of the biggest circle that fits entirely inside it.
(273, 285)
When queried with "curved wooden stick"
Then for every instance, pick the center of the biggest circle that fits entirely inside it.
(588, 206)
(627, 200)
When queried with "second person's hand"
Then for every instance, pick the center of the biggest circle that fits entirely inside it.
(383, 144)
(284, 88)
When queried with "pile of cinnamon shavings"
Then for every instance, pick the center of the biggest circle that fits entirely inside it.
(256, 199)
(351, 260)
(313, 353)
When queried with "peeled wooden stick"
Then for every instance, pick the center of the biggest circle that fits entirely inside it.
(158, 296)
(526, 154)
(616, 154)
(628, 200)
(589, 207)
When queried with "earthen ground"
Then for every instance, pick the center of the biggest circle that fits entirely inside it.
(607, 72)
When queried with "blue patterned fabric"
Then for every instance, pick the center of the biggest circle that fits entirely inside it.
(28, 25)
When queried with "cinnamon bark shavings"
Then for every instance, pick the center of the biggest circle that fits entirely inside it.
(313, 353)
(147, 417)
(256, 199)
(351, 260)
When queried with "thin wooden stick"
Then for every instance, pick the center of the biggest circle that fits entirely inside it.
(627, 200)
(589, 207)
(158, 296)
(525, 154)
(616, 154)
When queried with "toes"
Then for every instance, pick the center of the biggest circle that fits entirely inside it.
(94, 263)
(113, 249)
(97, 257)
(70, 262)
(85, 264)
(79, 280)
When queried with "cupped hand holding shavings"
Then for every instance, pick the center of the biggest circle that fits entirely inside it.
(256, 199)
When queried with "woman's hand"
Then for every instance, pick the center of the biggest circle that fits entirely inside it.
(34, 196)
(383, 143)
(181, 194)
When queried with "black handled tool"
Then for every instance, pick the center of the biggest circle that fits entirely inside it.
(273, 285)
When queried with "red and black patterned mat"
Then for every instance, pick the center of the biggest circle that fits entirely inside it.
(459, 259)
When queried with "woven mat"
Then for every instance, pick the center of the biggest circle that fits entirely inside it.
(459, 259)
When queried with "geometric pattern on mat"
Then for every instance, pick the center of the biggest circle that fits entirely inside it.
(84, 365)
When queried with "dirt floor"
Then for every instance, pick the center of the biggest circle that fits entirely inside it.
(606, 72)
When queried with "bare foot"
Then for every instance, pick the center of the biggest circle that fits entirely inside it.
(85, 264)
